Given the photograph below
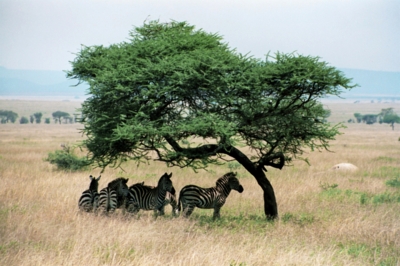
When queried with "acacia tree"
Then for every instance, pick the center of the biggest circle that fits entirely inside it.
(38, 117)
(170, 86)
(59, 115)
(8, 116)
(388, 116)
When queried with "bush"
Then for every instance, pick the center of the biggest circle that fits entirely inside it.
(24, 120)
(67, 160)
(393, 182)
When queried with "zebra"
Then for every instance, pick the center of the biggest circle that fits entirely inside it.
(114, 195)
(170, 198)
(90, 198)
(192, 196)
(150, 198)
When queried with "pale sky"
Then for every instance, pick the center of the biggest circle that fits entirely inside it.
(363, 34)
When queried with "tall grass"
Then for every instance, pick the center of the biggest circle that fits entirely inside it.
(326, 217)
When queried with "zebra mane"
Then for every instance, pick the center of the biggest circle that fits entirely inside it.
(224, 179)
(116, 182)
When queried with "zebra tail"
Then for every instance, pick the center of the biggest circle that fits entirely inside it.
(179, 203)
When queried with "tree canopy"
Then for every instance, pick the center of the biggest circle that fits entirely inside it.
(59, 115)
(185, 95)
(388, 116)
(8, 116)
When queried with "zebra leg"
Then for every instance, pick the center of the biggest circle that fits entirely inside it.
(187, 211)
(217, 213)
(161, 211)
(174, 206)
(133, 208)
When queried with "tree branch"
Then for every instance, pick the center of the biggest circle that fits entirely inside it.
(268, 160)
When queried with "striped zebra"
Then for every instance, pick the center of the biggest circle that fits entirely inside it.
(90, 198)
(150, 198)
(113, 196)
(170, 198)
(192, 196)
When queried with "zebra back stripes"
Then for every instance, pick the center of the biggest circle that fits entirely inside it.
(114, 195)
(89, 199)
(149, 198)
(192, 196)
(170, 198)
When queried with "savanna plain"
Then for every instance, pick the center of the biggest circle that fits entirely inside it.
(326, 217)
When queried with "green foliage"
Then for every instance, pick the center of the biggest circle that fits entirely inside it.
(170, 83)
(59, 115)
(233, 166)
(24, 120)
(393, 182)
(370, 119)
(8, 116)
(66, 160)
(385, 197)
(38, 117)
(47, 120)
(364, 198)
(358, 117)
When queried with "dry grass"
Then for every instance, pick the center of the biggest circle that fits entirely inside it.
(326, 217)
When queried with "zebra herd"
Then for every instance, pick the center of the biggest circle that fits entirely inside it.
(139, 196)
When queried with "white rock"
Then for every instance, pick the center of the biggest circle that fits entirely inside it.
(345, 167)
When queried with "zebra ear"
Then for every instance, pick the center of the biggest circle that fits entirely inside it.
(98, 178)
(91, 177)
(126, 180)
(170, 175)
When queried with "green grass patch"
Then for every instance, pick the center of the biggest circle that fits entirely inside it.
(301, 219)
(332, 192)
(387, 172)
(233, 223)
(372, 255)
(10, 246)
(235, 263)
(385, 197)
(386, 159)
(395, 182)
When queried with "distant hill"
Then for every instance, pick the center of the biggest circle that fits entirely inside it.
(38, 83)
(373, 84)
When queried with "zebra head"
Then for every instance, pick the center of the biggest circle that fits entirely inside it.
(94, 184)
(165, 183)
(120, 186)
(234, 183)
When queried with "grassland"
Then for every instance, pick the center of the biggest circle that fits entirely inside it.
(326, 217)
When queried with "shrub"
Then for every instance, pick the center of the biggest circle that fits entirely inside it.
(393, 182)
(24, 120)
(66, 160)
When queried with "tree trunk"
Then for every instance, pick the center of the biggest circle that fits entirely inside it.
(255, 169)
(270, 205)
